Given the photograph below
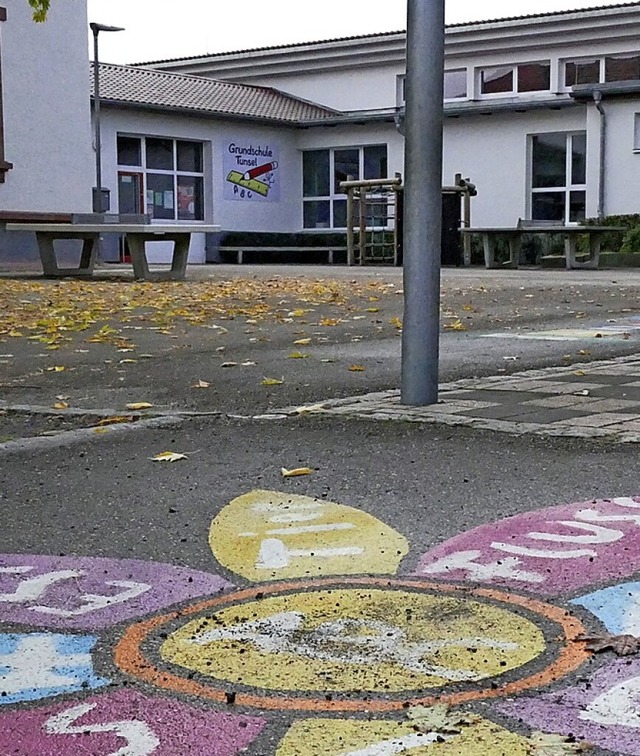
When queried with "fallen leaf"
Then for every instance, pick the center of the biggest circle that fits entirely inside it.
(302, 342)
(544, 744)
(201, 384)
(357, 368)
(457, 325)
(297, 313)
(122, 362)
(468, 308)
(579, 372)
(584, 351)
(372, 309)
(440, 718)
(168, 456)
(622, 645)
(329, 321)
(139, 405)
(296, 472)
(56, 369)
(396, 322)
(115, 419)
(60, 405)
(228, 364)
(327, 359)
(306, 409)
(248, 363)
(272, 382)
(297, 356)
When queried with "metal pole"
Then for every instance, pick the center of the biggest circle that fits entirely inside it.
(97, 200)
(423, 201)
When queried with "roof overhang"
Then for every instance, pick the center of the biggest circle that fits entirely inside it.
(582, 92)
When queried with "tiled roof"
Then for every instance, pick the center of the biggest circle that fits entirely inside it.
(159, 89)
(355, 38)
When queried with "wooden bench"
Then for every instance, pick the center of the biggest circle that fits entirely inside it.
(136, 234)
(239, 251)
(515, 235)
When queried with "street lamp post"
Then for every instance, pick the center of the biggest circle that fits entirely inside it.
(423, 201)
(101, 201)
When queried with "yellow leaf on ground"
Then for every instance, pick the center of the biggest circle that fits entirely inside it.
(296, 472)
(457, 325)
(297, 356)
(272, 382)
(357, 368)
(168, 456)
(201, 384)
(396, 322)
(139, 405)
(297, 313)
(329, 321)
(115, 419)
(56, 369)
(372, 309)
(60, 405)
(579, 372)
(302, 342)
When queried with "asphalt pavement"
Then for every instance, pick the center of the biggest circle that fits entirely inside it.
(266, 667)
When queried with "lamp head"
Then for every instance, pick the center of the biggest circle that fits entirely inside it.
(96, 28)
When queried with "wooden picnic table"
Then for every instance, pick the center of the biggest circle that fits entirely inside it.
(136, 234)
(514, 236)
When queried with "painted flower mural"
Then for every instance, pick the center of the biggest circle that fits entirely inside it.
(309, 643)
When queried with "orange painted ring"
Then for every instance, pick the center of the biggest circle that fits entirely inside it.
(130, 658)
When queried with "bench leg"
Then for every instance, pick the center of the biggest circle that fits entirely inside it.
(489, 247)
(49, 260)
(138, 257)
(515, 245)
(571, 251)
(178, 269)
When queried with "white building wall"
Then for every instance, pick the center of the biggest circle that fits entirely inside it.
(622, 189)
(47, 126)
(492, 151)
(282, 214)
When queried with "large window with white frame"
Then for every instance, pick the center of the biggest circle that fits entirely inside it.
(324, 205)
(600, 69)
(559, 176)
(168, 175)
(514, 79)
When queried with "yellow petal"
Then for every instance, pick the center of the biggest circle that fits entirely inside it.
(296, 472)
(139, 405)
(242, 533)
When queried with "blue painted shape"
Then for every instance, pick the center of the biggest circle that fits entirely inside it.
(40, 665)
(617, 607)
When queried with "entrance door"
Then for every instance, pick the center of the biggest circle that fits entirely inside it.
(130, 201)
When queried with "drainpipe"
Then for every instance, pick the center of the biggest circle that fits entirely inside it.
(597, 99)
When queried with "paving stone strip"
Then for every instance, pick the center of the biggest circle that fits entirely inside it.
(591, 400)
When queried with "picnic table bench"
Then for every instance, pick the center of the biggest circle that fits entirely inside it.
(240, 250)
(136, 234)
(514, 237)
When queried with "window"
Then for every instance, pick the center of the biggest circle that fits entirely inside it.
(455, 84)
(625, 67)
(324, 205)
(558, 177)
(524, 77)
(622, 67)
(581, 72)
(171, 174)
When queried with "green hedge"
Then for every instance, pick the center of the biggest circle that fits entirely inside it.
(618, 241)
